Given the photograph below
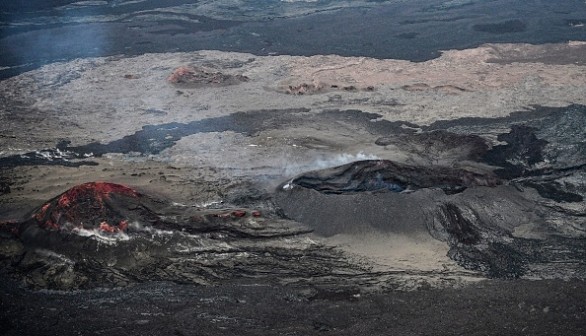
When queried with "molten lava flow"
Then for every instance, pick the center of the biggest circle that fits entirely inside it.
(93, 205)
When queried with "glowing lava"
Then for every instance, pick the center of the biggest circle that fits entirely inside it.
(93, 205)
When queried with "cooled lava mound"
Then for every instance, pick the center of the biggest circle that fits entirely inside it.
(99, 206)
(93, 209)
(383, 175)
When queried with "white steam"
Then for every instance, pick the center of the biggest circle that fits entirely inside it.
(326, 161)
(101, 236)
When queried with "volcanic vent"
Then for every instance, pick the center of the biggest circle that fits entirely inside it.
(90, 208)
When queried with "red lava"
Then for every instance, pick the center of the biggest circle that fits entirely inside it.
(109, 208)
(87, 205)
(239, 213)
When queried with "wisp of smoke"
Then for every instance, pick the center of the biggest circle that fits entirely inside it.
(325, 162)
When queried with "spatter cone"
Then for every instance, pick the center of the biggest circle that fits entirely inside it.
(101, 206)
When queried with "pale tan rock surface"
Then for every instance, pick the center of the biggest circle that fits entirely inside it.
(106, 98)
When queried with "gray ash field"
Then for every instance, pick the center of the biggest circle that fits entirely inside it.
(293, 168)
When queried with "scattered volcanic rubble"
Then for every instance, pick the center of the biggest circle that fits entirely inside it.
(314, 88)
(188, 76)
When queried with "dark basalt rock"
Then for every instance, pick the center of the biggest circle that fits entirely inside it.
(460, 229)
(496, 260)
(522, 151)
(105, 234)
(382, 176)
(481, 218)
(554, 191)
(4, 187)
(540, 141)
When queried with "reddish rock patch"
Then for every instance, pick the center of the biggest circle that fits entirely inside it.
(94, 205)
(238, 213)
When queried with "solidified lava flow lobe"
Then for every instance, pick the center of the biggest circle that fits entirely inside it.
(382, 175)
